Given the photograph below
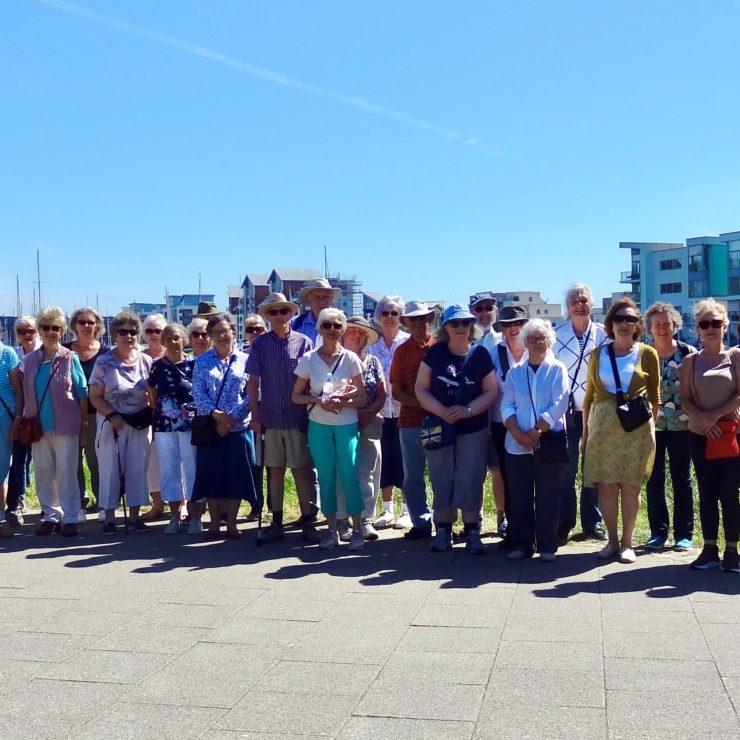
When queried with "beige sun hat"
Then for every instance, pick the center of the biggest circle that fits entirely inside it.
(360, 322)
(275, 300)
(318, 284)
(418, 308)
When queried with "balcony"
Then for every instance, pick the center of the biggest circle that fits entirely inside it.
(630, 277)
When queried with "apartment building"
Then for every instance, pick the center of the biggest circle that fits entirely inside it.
(534, 304)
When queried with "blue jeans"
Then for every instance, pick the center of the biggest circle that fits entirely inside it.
(414, 485)
(19, 476)
(590, 514)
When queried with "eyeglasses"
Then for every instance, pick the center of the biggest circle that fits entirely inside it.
(199, 334)
(713, 323)
(390, 313)
(276, 311)
(331, 326)
(487, 307)
(254, 329)
(85, 322)
(152, 330)
(457, 323)
(621, 318)
(51, 327)
(26, 331)
(222, 332)
(536, 338)
(127, 332)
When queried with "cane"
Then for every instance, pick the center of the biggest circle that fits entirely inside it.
(121, 482)
(261, 495)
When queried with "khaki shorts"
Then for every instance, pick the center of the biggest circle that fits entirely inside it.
(286, 448)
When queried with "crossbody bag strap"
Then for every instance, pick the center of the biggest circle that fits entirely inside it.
(503, 357)
(54, 367)
(221, 388)
(531, 399)
(333, 370)
(615, 371)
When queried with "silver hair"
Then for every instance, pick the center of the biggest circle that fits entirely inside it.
(576, 289)
(255, 318)
(99, 325)
(155, 318)
(329, 313)
(667, 308)
(538, 325)
(711, 304)
(387, 300)
(26, 319)
(174, 328)
(197, 324)
(53, 313)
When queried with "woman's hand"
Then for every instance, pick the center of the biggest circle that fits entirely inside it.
(346, 394)
(224, 423)
(456, 413)
(523, 439)
(117, 423)
(332, 404)
(714, 432)
(534, 435)
(706, 421)
(582, 443)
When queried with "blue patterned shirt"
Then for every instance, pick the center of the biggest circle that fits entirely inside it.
(207, 376)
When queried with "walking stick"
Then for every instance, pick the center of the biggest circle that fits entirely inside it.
(121, 483)
(261, 494)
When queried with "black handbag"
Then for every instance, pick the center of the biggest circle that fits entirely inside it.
(139, 419)
(437, 433)
(634, 412)
(553, 444)
(203, 426)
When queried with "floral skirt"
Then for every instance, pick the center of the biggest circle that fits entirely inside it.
(613, 455)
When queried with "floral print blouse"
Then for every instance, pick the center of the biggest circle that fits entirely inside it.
(173, 383)
(671, 417)
(208, 374)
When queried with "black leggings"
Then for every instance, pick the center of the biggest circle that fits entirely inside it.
(718, 486)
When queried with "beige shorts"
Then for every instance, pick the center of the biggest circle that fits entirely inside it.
(286, 448)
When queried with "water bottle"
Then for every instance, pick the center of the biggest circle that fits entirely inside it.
(328, 387)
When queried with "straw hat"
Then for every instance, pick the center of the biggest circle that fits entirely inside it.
(360, 322)
(318, 284)
(273, 301)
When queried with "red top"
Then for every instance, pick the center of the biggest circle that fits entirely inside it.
(404, 369)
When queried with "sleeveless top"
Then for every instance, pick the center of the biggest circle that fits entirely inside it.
(711, 387)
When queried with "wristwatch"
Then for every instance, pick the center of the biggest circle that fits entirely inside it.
(469, 410)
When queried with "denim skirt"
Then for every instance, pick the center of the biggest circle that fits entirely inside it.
(223, 469)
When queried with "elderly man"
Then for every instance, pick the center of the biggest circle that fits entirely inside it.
(272, 360)
(483, 307)
(418, 318)
(317, 295)
(575, 340)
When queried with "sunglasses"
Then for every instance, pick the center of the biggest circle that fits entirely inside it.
(487, 307)
(710, 323)
(199, 334)
(457, 323)
(85, 322)
(518, 322)
(623, 319)
(414, 319)
(127, 332)
(331, 326)
(25, 331)
(51, 327)
(151, 330)
(390, 313)
(276, 311)
(254, 329)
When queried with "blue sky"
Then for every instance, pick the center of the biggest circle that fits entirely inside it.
(494, 146)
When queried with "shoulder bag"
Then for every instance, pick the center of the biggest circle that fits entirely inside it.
(553, 444)
(634, 412)
(29, 427)
(203, 426)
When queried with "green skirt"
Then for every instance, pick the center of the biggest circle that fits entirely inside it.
(613, 455)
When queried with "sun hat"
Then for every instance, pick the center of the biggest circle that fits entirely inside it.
(418, 308)
(275, 300)
(360, 322)
(456, 312)
(510, 314)
(318, 284)
(206, 309)
(484, 295)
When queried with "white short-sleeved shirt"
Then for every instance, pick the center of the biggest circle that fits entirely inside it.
(625, 365)
(312, 367)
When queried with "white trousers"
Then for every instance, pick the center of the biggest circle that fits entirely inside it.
(176, 465)
(153, 475)
(368, 476)
(133, 452)
(55, 459)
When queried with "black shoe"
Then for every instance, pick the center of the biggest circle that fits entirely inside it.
(415, 533)
(308, 518)
(92, 508)
(69, 530)
(505, 544)
(253, 516)
(594, 533)
(109, 528)
(708, 558)
(140, 526)
(730, 562)
(563, 535)
(14, 519)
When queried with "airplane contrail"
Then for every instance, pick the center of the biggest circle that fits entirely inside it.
(255, 71)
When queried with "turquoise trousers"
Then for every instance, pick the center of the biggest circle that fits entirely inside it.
(334, 450)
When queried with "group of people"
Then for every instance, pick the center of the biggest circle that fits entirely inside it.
(355, 408)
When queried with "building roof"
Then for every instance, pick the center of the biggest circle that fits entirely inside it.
(234, 291)
(374, 296)
(256, 278)
(295, 273)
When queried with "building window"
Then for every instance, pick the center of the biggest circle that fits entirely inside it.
(538, 311)
(734, 286)
(670, 264)
(735, 259)
(670, 287)
(515, 298)
(530, 299)
(696, 263)
(697, 288)
(547, 310)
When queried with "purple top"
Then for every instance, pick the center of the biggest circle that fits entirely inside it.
(274, 360)
(207, 376)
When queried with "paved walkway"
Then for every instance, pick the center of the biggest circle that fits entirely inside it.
(154, 636)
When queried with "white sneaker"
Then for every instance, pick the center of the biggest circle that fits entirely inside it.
(101, 515)
(368, 531)
(81, 517)
(173, 526)
(357, 541)
(385, 520)
(627, 555)
(195, 526)
(329, 540)
(403, 522)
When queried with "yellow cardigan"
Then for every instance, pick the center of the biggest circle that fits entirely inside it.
(645, 381)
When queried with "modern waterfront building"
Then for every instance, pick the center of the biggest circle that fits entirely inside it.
(182, 308)
(534, 304)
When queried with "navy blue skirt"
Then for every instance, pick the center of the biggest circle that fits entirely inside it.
(223, 469)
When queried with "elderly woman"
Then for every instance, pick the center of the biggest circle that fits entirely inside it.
(223, 474)
(198, 336)
(616, 460)
(388, 314)
(153, 327)
(254, 325)
(19, 476)
(55, 393)
(671, 436)
(11, 398)
(118, 391)
(710, 383)
(534, 405)
(329, 380)
(359, 334)
(457, 385)
(87, 324)
(171, 397)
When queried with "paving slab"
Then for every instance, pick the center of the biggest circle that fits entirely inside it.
(585, 657)
(394, 728)
(517, 721)
(450, 640)
(539, 688)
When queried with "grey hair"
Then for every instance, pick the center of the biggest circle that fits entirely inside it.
(387, 300)
(174, 328)
(125, 318)
(52, 313)
(667, 308)
(576, 289)
(197, 325)
(538, 325)
(30, 320)
(155, 318)
(99, 325)
(217, 318)
(329, 313)
(255, 318)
